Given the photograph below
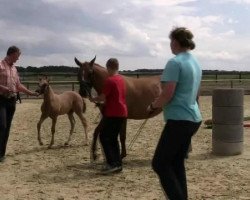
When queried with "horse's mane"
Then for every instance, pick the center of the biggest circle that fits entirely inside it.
(97, 65)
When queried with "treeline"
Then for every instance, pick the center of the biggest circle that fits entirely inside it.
(47, 69)
(68, 69)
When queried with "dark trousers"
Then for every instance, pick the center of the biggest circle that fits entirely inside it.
(7, 110)
(168, 160)
(109, 139)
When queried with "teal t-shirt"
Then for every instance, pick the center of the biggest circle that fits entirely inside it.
(186, 72)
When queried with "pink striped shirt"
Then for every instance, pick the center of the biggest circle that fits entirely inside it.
(9, 76)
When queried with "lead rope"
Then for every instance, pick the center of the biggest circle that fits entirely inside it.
(137, 133)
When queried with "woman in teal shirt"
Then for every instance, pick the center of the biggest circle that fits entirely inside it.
(180, 83)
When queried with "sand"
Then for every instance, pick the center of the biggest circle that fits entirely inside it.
(33, 172)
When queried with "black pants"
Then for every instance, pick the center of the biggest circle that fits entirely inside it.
(109, 139)
(168, 160)
(7, 110)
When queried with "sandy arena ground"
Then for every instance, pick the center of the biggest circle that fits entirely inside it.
(33, 172)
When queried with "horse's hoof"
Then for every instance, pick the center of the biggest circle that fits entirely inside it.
(86, 144)
(123, 155)
(66, 144)
(93, 158)
(40, 143)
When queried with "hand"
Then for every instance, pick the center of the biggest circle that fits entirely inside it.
(36, 94)
(91, 99)
(9, 91)
(151, 109)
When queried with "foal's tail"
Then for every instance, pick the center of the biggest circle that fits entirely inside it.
(84, 105)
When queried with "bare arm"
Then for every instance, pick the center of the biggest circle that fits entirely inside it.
(22, 88)
(166, 95)
(4, 89)
(100, 98)
(198, 96)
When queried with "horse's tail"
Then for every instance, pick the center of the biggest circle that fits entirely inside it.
(84, 105)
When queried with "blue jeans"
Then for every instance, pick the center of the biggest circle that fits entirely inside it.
(168, 160)
(7, 110)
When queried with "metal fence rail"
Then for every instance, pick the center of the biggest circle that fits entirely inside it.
(207, 86)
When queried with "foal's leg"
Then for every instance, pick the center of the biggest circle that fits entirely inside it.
(53, 128)
(123, 139)
(72, 125)
(42, 118)
(84, 123)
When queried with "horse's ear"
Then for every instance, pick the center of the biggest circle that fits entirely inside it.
(77, 62)
(92, 62)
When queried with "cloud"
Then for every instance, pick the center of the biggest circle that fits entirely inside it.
(221, 55)
(232, 1)
(134, 31)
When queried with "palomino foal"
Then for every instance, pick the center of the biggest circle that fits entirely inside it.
(54, 105)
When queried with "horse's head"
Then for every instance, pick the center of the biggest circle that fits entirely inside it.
(42, 85)
(85, 77)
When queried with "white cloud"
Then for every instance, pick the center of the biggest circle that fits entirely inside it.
(221, 55)
(233, 1)
(134, 31)
(162, 2)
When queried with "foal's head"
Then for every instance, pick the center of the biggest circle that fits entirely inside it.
(42, 85)
(85, 77)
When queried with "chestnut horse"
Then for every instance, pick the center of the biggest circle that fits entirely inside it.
(139, 94)
(53, 105)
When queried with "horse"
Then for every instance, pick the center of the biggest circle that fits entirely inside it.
(140, 92)
(53, 105)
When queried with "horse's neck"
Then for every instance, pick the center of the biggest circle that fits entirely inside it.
(101, 75)
(48, 94)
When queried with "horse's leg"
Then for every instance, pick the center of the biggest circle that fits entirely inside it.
(42, 118)
(72, 126)
(93, 155)
(53, 128)
(190, 148)
(85, 126)
(123, 139)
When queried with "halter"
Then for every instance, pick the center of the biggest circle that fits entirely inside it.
(86, 86)
(42, 88)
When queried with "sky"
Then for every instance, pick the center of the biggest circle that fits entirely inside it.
(54, 32)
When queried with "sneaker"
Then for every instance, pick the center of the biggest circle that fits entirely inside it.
(110, 170)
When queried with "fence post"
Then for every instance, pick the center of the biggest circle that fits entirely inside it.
(231, 83)
(28, 87)
(73, 86)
